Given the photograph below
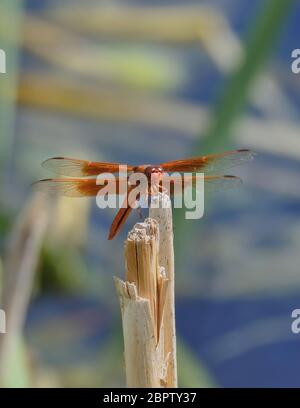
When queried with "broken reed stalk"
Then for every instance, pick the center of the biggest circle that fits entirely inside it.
(147, 306)
(161, 211)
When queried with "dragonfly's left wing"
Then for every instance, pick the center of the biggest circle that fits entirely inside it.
(211, 183)
(211, 163)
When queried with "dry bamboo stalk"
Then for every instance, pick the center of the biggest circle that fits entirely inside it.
(161, 211)
(142, 299)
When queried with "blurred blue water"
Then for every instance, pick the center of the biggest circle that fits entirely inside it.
(244, 343)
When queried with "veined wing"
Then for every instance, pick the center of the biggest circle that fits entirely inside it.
(79, 187)
(211, 183)
(66, 166)
(211, 163)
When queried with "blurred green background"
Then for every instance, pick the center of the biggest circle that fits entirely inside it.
(148, 82)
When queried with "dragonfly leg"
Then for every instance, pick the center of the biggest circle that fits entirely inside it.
(140, 213)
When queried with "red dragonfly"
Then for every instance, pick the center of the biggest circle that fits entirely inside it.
(80, 183)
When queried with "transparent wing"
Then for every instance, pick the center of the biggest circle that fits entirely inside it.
(221, 183)
(211, 183)
(66, 166)
(211, 163)
(79, 187)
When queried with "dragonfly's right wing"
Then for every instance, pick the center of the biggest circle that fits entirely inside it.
(66, 166)
(80, 187)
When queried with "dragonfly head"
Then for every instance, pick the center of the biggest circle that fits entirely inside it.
(153, 171)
